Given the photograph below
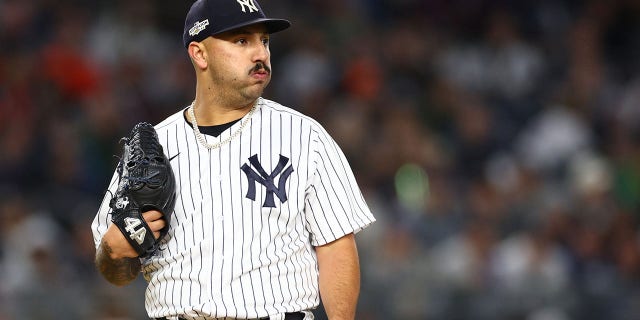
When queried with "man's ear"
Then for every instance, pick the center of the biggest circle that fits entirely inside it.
(198, 54)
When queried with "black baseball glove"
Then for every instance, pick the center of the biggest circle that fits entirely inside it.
(146, 183)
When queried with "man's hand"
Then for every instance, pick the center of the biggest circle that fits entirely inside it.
(120, 247)
(116, 259)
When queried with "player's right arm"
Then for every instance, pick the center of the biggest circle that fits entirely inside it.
(117, 263)
(116, 259)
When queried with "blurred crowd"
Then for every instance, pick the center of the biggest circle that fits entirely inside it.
(497, 143)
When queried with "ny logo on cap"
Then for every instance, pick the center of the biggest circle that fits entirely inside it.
(249, 4)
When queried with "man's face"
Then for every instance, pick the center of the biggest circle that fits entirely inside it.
(239, 61)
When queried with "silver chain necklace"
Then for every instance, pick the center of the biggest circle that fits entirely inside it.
(200, 136)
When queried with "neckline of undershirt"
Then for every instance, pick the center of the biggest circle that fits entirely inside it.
(215, 130)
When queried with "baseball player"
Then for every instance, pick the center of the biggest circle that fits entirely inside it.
(266, 204)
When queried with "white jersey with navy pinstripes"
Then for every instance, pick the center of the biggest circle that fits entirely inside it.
(247, 216)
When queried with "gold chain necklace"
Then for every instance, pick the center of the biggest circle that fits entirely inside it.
(200, 136)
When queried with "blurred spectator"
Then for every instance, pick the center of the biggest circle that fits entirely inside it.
(550, 140)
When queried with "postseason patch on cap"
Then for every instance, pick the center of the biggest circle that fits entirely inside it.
(198, 27)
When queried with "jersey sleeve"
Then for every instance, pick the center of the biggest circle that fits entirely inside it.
(334, 204)
(102, 220)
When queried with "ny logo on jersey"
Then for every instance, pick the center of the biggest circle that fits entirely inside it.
(267, 180)
(249, 4)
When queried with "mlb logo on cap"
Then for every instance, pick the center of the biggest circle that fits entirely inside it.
(211, 17)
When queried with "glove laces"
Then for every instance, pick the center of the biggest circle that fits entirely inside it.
(144, 144)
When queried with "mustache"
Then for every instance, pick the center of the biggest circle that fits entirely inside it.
(260, 66)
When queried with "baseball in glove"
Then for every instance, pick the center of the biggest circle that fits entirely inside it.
(146, 183)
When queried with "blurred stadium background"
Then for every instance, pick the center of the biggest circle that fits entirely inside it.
(497, 142)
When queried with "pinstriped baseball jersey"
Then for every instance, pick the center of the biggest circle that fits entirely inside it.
(247, 216)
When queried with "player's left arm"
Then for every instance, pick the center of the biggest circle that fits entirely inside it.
(339, 277)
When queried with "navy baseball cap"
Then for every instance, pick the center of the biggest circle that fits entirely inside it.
(211, 17)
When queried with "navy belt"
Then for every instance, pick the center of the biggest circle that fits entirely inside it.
(287, 316)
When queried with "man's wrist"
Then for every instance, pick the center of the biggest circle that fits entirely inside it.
(116, 246)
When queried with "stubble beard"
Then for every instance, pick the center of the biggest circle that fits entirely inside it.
(243, 90)
(255, 90)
